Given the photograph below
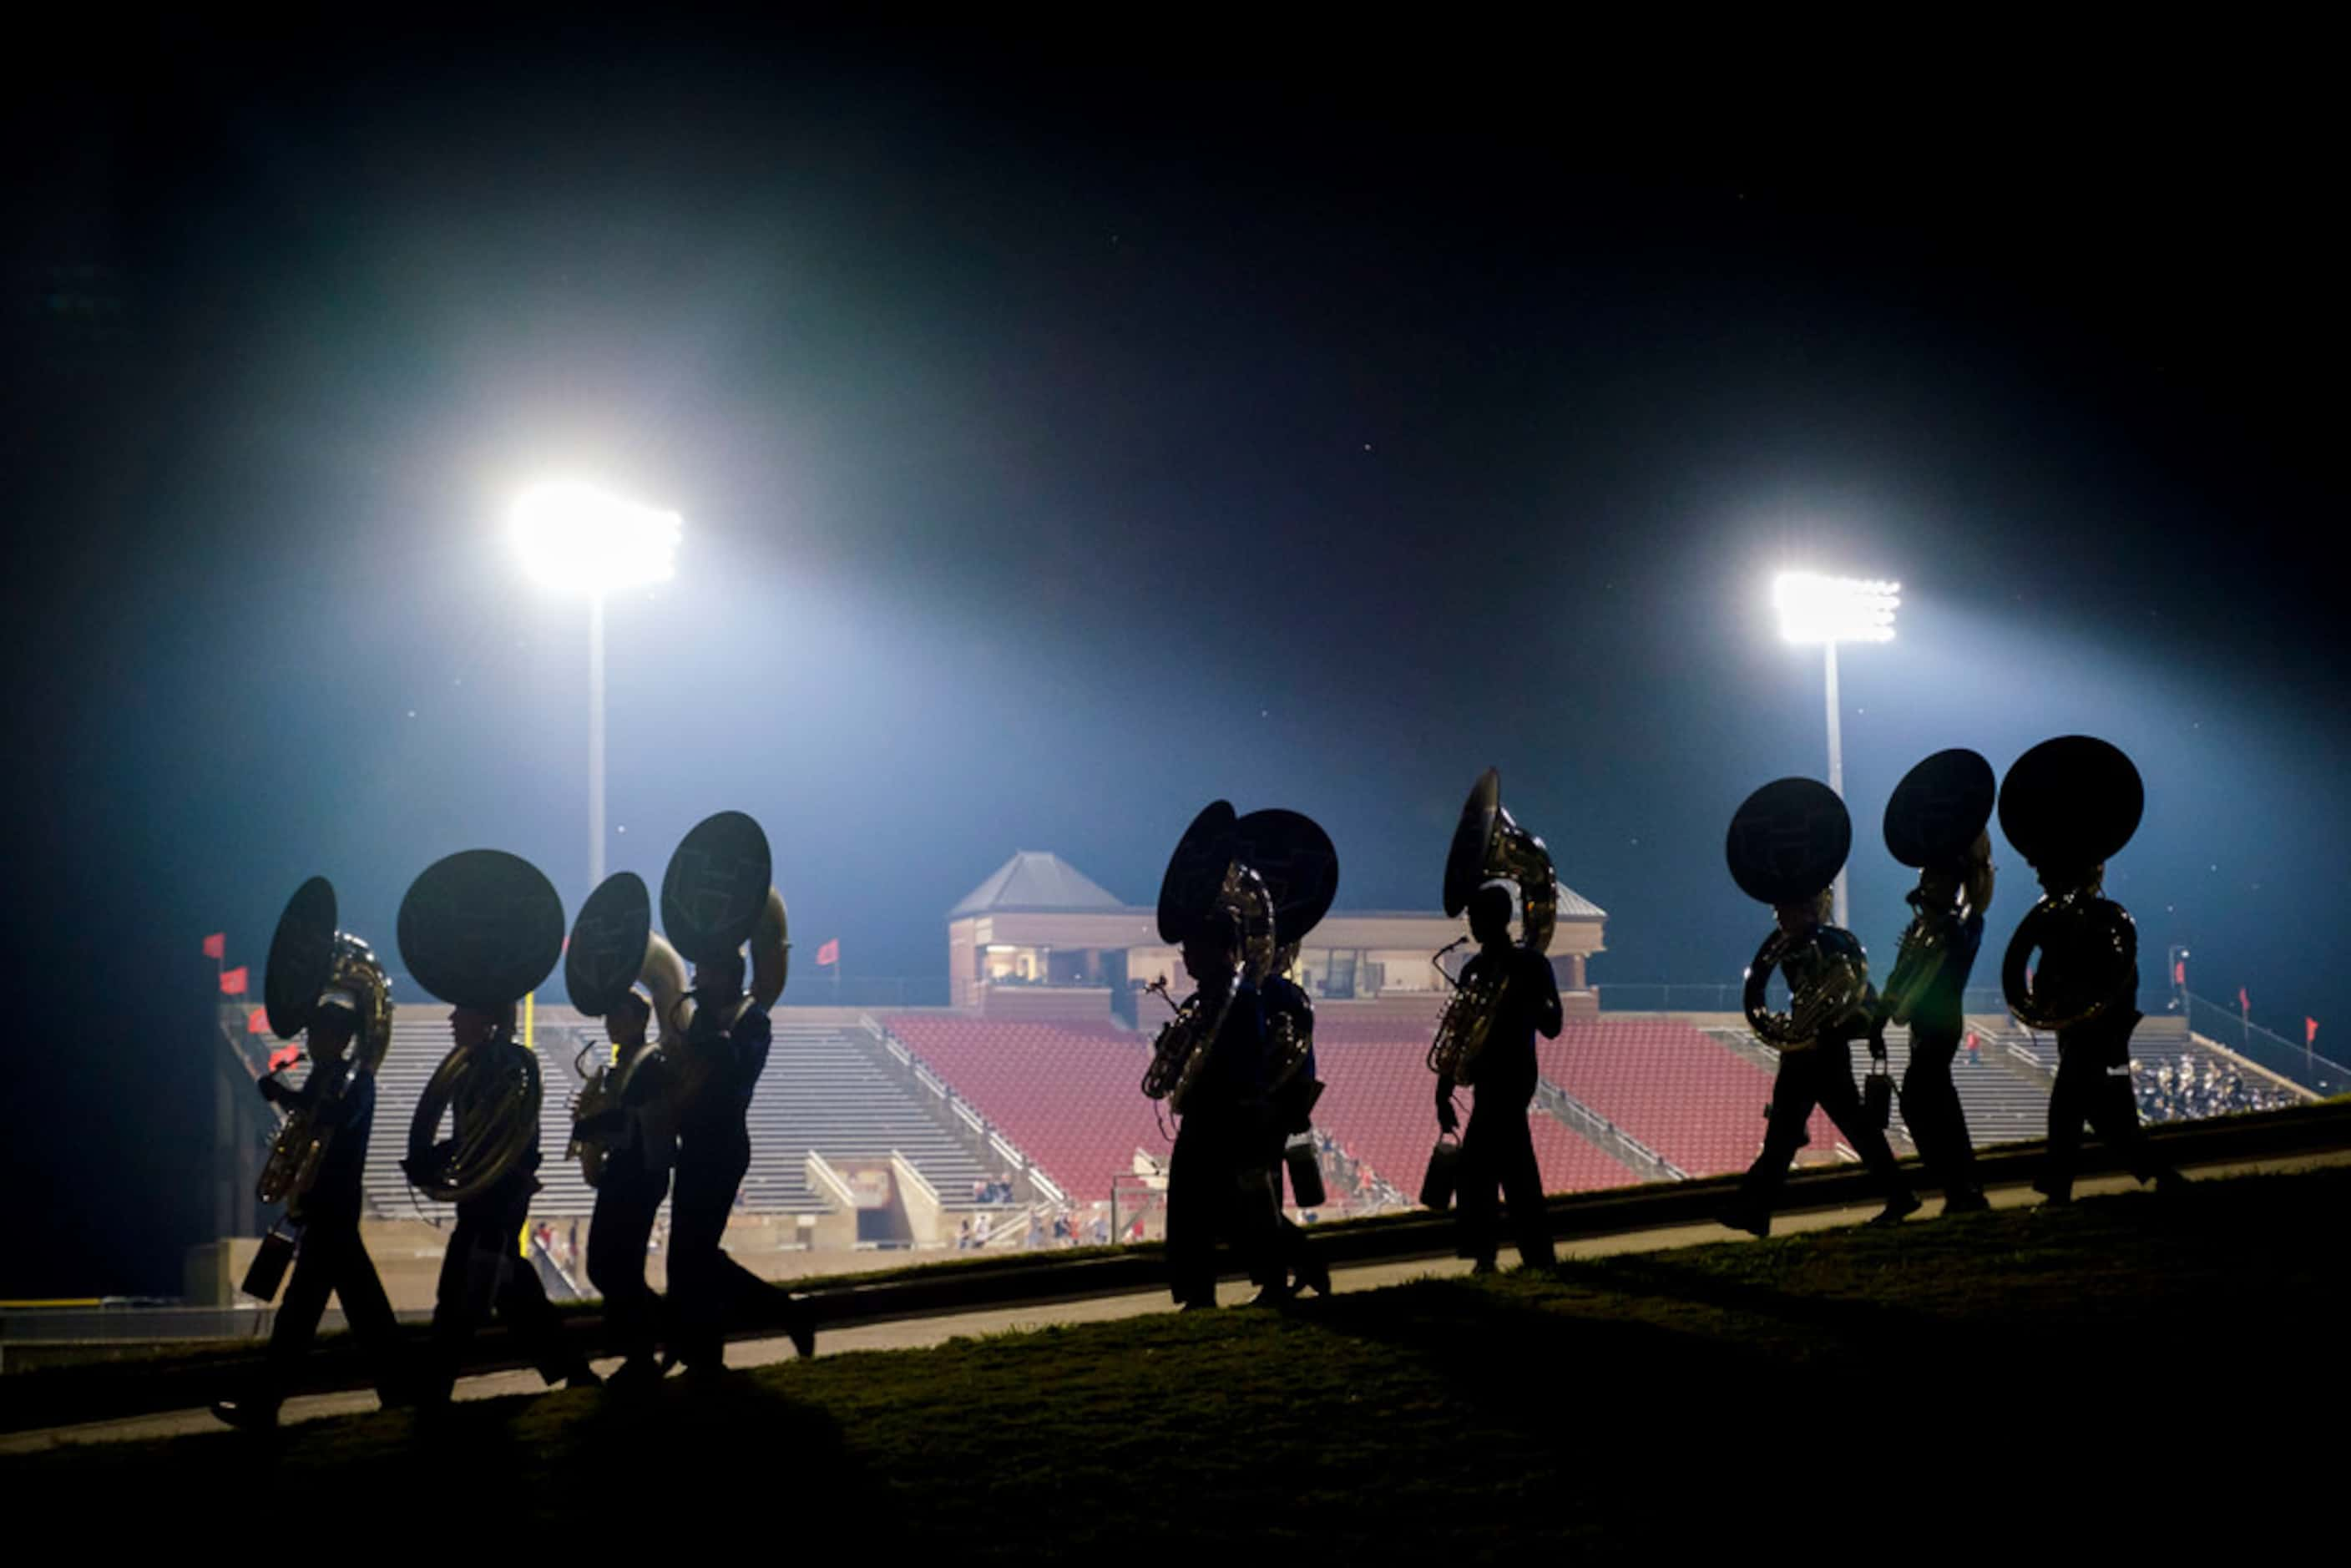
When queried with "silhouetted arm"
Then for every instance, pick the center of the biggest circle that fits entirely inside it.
(1548, 1015)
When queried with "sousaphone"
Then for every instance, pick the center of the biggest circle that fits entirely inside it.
(718, 894)
(1787, 842)
(1300, 866)
(1488, 845)
(614, 949)
(309, 961)
(1935, 820)
(480, 929)
(1206, 881)
(2069, 805)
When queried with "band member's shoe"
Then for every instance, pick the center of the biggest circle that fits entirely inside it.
(2058, 1196)
(636, 1375)
(1755, 1222)
(1485, 1266)
(585, 1377)
(1966, 1203)
(1198, 1307)
(1313, 1274)
(802, 1330)
(1899, 1208)
(248, 1414)
(2171, 1181)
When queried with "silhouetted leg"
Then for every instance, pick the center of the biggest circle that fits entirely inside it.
(1256, 1216)
(470, 1267)
(1938, 1125)
(617, 1237)
(1194, 1203)
(2113, 1111)
(1474, 1195)
(1522, 1190)
(367, 1312)
(1783, 1133)
(1833, 1083)
(2066, 1111)
(699, 1209)
(522, 1302)
(316, 1265)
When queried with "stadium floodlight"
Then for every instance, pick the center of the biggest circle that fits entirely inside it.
(1815, 609)
(576, 538)
(1829, 611)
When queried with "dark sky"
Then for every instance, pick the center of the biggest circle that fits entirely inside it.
(1071, 430)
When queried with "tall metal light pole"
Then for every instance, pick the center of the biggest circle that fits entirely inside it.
(576, 538)
(1829, 611)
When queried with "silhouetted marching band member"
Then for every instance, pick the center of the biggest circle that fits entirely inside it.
(1819, 1072)
(1935, 822)
(2094, 1074)
(1498, 1152)
(484, 1268)
(708, 1290)
(1220, 1180)
(2069, 804)
(1787, 842)
(640, 1144)
(332, 1259)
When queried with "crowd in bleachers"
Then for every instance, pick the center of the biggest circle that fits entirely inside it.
(2199, 1085)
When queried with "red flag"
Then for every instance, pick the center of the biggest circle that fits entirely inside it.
(2180, 974)
(257, 1021)
(829, 954)
(2244, 1003)
(217, 944)
(232, 981)
(2309, 1033)
(285, 1056)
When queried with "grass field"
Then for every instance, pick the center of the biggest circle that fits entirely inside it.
(2134, 1372)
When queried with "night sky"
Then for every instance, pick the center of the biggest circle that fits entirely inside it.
(1071, 430)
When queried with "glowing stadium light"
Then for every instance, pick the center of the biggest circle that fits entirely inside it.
(577, 538)
(1816, 609)
(1829, 611)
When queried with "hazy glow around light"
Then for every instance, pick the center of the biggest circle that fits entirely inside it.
(1815, 609)
(574, 537)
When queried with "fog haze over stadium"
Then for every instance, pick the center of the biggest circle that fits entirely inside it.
(1063, 443)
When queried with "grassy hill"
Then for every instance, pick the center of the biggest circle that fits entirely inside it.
(2135, 1373)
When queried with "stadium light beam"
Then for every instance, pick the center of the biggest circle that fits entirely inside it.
(575, 538)
(1829, 611)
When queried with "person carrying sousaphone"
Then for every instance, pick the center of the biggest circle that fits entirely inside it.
(717, 895)
(623, 1126)
(1787, 842)
(1505, 996)
(1935, 822)
(2069, 805)
(326, 986)
(1211, 1063)
(1301, 869)
(480, 930)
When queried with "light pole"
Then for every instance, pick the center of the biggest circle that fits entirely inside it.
(1829, 611)
(575, 538)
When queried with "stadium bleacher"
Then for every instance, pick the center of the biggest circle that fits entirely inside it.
(1665, 1082)
(1069, 1095)
(821, 1092)
(1379, 1104)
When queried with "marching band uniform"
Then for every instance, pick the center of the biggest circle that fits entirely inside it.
(708, 1290)
(1498, 1151)
(640, 1148)
(1819, 1073)
(1218, 1179)
(1930, 1102)
(332, 1259)
(483, 1268)
(1294, 1107)
(2094, 1084)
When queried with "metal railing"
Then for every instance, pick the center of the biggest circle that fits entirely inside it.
(2299, 1064)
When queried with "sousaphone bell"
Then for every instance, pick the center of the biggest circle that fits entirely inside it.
(2069, 805)
(1787, 842)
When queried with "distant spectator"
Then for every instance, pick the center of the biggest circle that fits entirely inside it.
(963, 1236)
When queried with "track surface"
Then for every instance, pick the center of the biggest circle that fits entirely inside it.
(914, 1334)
